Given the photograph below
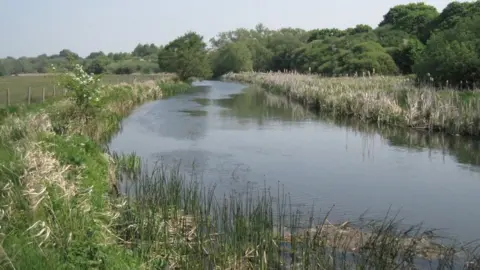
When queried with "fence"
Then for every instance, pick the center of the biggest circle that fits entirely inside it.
(35, 89)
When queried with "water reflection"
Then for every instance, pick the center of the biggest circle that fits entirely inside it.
(257, 105)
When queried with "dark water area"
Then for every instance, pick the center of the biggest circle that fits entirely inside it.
(236, 135)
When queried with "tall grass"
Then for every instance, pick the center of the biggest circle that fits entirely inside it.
(392, 100)
(171, 220)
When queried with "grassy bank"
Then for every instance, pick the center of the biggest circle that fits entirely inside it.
(59, 208)
(57, 203)
(389, 100)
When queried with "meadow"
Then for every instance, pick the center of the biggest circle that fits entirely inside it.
(393, 100)
(41, 85)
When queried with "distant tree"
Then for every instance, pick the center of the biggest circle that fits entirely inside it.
(233, 57)
(452, 55)
(68, 54)
(94, 55)
(97, 66)
(452, 14)
(186, 56)
(282, 46)
(412, 18)
(358, 29)
(407, 54)
(369, 56)
(319, 34)
(145, 50)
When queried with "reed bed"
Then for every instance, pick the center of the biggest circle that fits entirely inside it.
(389, 100)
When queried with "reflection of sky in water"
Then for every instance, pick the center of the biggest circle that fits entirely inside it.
(355, 167)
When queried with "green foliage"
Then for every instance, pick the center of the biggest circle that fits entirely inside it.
(186, 56)
(412, 18)
(233, 57)
(451, 15)
(132, 66)
(320, 34)
(406, 55)
(369, 57)
(98, 65)
(453, 55)
(84, 89)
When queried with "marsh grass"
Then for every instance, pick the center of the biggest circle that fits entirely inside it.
(176, 221)
(390, 100)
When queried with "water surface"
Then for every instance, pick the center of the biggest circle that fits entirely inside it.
(237, 135)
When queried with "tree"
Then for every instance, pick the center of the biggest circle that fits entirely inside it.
(319, 34)
(186, 56)
(369, 57)
(97, 66)
(407, 54)
(451, 15)
(233, 57)
(94, 55)
(412, 18)
(282, 46)
(452, 55)
(68, 54)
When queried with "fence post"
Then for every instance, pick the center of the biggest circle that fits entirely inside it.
(43, 94)
(29, 94)
(8, 96)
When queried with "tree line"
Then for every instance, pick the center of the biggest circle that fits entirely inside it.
(442, 47)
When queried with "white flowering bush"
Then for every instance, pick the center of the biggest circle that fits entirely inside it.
(83, 88)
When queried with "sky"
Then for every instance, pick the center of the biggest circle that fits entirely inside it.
(34, 27)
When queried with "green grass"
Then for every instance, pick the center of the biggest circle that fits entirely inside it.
(19, 86)
(388, 100)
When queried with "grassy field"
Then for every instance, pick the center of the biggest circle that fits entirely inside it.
(389, 100)
(19, 86)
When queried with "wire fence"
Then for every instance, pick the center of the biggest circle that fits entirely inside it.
(30, 90)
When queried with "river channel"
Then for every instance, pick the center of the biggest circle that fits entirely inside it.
(236, 135)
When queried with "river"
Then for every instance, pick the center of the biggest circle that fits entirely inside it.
(236, 135)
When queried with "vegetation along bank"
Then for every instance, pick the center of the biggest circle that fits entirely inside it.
(385, 99)
(58, 209)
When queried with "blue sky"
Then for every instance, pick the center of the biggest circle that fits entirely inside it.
(33, 27)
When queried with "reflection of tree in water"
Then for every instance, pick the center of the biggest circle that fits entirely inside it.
(256, 104)
(465, 150)
(178, 117)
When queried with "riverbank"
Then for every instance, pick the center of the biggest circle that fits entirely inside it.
(388, 100)
(58, 204)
